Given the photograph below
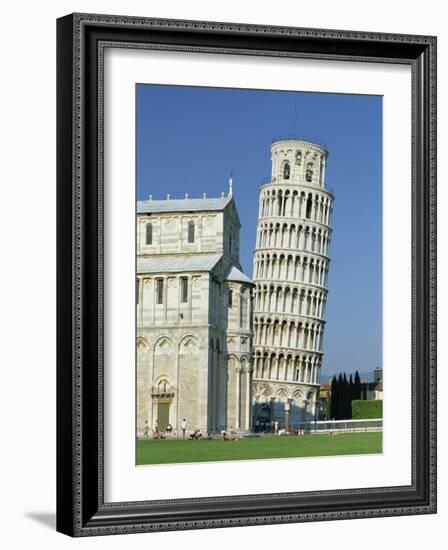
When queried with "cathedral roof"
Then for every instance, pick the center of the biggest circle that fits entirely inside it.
(177, 262)
(238, 276)
(183, 205)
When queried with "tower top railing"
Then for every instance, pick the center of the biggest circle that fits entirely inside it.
(294, 137)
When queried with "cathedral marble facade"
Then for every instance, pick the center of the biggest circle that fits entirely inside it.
(194, 317)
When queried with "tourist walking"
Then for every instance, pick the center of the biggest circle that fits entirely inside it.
(183, 427)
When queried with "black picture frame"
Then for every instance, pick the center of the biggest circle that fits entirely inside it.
(81, 510)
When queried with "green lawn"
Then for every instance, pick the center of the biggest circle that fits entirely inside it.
(151, 451)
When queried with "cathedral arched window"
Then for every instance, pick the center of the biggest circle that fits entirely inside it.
(184, 289)
(162, 386)
(230, 298)
(242, 311)
(149, 233)
(286, 171)
(299, 158)
(191, 229)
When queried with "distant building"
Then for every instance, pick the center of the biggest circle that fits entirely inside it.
(379, 391)
(377, 375)
(373, 390)
(194, 317)
(325, 398)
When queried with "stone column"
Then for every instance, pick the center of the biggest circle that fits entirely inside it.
(287, 413)
(237, 396)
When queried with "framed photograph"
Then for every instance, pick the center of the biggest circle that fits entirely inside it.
(246, 274)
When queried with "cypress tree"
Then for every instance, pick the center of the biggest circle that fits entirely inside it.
(346, 397)
(351, 388)
(357, 387)
(334, 398)
(340, 403)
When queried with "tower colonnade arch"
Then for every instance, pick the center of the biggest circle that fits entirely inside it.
(283, 266)
(290, 299)
(307, 236)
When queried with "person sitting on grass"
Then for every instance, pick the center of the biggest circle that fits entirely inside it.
(159, 435)
(209, 436)
(226, 437)
(196, 434)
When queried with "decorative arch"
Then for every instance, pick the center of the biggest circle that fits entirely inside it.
(282, 393)
(142, 344)
(163, 346)
(189, 345)
(162, 383)
(310, 395)
(297, 395)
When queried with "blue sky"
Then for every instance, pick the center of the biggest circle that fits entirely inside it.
(189, 140)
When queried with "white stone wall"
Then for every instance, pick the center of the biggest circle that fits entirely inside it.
(239, 356)
(170, 233)
(291, 264)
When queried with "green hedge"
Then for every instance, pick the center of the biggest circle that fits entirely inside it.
(367, 409)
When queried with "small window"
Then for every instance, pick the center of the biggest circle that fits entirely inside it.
(137, 289)
(149, 233)
(241, 311)
(286, 171)
(191, 232)
(299, 158)
(309, 172)
(230, 298)
(159, 291)
(184, 289)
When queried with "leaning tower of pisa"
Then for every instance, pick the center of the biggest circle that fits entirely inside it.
(290, 272)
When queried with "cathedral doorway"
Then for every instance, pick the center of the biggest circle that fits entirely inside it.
(163, 415)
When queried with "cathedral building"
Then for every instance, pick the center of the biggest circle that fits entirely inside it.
(291, 262)
(194, 317)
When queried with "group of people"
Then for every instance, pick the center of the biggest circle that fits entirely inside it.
(260, 426)
(197, 434)
(273, 426)
(168, 431)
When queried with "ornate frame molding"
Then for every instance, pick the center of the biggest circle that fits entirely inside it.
(81, 42)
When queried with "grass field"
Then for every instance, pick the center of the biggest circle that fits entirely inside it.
(150, 451)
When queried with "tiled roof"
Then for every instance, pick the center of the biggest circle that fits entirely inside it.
(238, 276)
(182, 205)
(179, 262)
